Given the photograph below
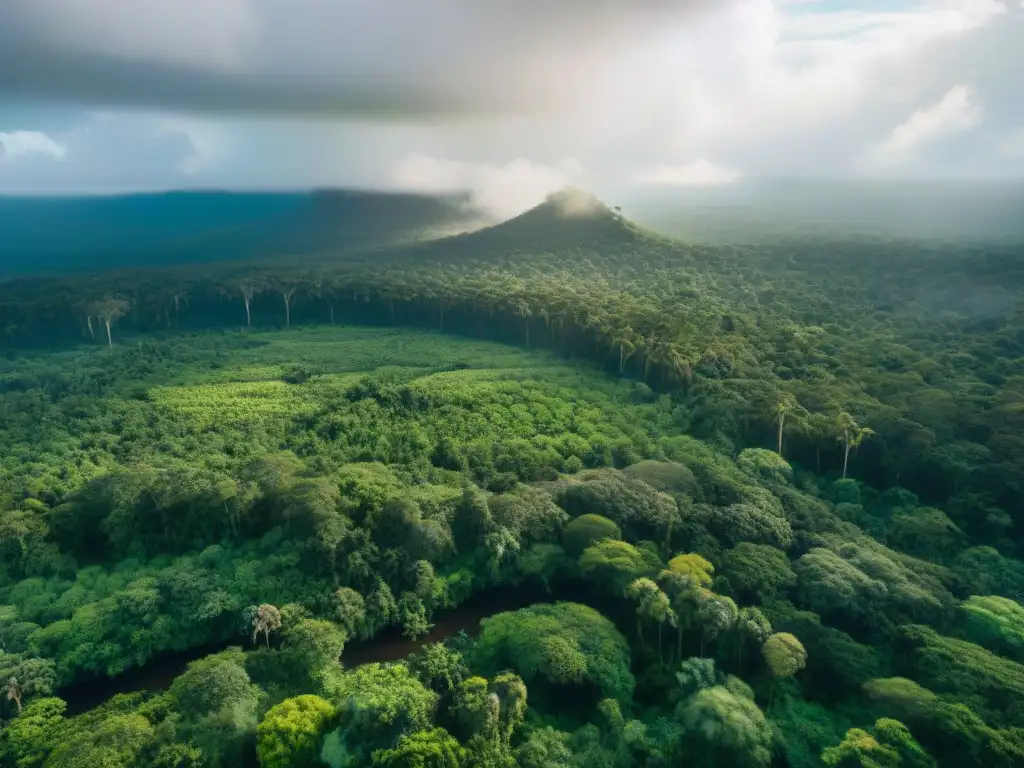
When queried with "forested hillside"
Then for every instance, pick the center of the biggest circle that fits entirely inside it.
(65, 234)
(765, 501)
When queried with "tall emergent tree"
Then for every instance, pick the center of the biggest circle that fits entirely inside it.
(850, 434)
(248, 288)
(267, 619)
(109, 311)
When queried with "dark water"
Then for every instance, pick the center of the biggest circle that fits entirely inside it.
(389, 645)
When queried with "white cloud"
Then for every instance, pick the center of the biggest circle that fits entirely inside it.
(500, 190)
(493, 98)
(955, 113)
(18, 143)
(701, 172)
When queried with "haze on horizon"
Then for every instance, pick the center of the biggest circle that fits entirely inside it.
(509, 101)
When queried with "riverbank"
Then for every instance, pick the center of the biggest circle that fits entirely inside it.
(388, 645)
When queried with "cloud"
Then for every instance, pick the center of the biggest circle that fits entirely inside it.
(499, 190)
(324, 57)
(263, 93)
(955, 113)
(105, 153)
(19, 143)
(701, 172)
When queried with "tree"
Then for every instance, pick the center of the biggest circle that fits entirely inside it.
(14, 692)
(785, 405)
(564, 644)
(117, 741)
(693, 567)
(438, 667)
(488, 714)
(785, 656)
(248, 288)
(641, 511)
(726, 728)
(652, 605)
(291, 731)
(209, 685)
(412, 615)
(350, 611)
(287, 288)
(587, 529)
(381, 608)
(996, 623)
(833, 585)
(717, 615)
(544, 562)
(544, 748)
(925, 532)
(434, 748)
(267, 619)
(889, 745)
(378, 703)
(615, 564)
(695, 674)
(110, 311)
(30, 737)
(756, 571)
(848, 432)
(751, 628)
(313, 647)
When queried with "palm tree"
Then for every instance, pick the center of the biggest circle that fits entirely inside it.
(786, 403)
(625, 338)
(850, 434)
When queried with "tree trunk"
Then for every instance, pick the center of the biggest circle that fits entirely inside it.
(88, 322)
(782, 421)
(248, 315)
(332, 313)
(110, 341)
(287, 312)
(846, 457)
(817, 455)
(640, 632)
(647, 367)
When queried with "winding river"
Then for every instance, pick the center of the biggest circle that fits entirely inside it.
(389, 645)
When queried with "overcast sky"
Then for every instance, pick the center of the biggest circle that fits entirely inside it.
(509, 98)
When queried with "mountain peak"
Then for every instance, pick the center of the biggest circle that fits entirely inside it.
(569, 219)
(571, 202)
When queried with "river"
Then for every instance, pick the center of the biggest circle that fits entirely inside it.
(389, 645)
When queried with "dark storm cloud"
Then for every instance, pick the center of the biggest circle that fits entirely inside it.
(329, 57)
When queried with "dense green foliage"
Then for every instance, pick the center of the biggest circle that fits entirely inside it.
(702, 597)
